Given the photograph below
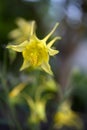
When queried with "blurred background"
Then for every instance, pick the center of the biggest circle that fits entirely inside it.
(70, 65)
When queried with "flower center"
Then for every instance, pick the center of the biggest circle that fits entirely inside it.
(36, 53)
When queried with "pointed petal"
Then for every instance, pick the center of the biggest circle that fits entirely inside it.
(52, 42)
(25, 65)
(18, 48)
(47, 37)
(34, 37)
(53, 52)
(46, 67)
(33, 27)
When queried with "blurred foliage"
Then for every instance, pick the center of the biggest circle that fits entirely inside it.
(79, 83)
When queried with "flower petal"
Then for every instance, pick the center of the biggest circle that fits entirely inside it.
(14, 33)
(30, 101)
(24, 25)
(52, 41)
(53, 52)
(46, 67)
(33, 27)
(17, 89)
(25, 65)
(18, 48)
(21, 22)
(47, 37)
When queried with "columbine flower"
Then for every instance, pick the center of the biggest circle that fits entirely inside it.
(23, 31)
(37, 109)
(66, 117)
(38, 112)
(36, 52)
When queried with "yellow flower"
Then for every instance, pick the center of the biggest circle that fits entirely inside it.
(37, 109)
(23, 31)
(66, 117)
(36, 52)
(38, 113)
